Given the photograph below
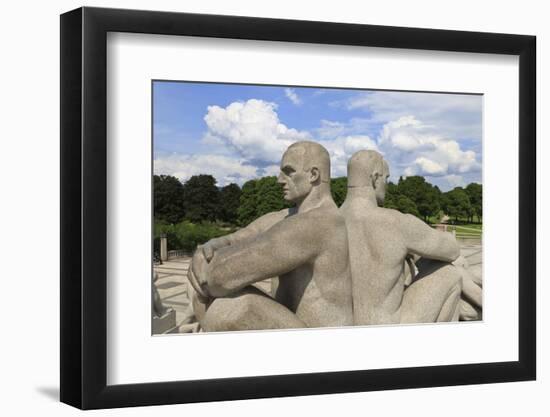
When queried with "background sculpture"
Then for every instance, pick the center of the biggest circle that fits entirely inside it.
(163, 318)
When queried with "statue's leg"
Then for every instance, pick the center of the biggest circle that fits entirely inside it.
(469, 312)
(471, 291)
(196, 305)
(249, 309)
(434, 295)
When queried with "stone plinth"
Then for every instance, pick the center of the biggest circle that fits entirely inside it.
(166, 323)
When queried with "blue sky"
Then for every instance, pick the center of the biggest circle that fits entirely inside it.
(238, 132)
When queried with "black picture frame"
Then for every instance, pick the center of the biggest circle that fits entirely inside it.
(84, 207)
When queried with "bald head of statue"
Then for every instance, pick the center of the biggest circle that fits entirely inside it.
(368, 169)
(304, 165)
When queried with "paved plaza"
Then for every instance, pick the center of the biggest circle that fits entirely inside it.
(474, 257)
(172, 287)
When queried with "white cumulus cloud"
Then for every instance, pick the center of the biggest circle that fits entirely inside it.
(252, 129)
(455, 180)
(456, 115)
(415, 148)
(342, 148)
(429, 167)
(248, 140)
(292, 96)
(330, 129)
(225, 169)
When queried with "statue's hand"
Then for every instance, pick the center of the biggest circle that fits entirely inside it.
(197, 274)
(211, 246)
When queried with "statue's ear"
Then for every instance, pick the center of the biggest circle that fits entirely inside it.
(375, 176)
(314, 174)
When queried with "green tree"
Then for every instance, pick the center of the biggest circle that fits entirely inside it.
(456, 203)
(392, 194)
(259, 197)
(230, 197)
(167, 199)
(424, 195)
(475, 194)
(339, 189)
(401, 203)
(269, 196)
(246, 212)
(201, 198)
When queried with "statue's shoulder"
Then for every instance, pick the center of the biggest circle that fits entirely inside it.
(386, 216)
(286, 212)
(268, 220)
(278, 215)
(326, 218)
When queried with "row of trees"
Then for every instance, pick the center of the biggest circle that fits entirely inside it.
(464, 202)
(416, 196)
(197, 200)
(200, 200)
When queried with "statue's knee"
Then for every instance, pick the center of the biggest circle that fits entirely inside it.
(453, 276)
(455, 286)
(226, 314)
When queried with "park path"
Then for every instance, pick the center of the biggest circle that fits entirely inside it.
(474, 256)
(172, 286)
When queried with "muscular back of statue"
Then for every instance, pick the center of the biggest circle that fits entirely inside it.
(380, 240)
(319, 291)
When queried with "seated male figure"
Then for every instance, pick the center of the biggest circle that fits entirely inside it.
(380, 240)
(306, 247)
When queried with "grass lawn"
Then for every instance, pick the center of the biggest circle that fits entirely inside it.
(468, 229)
(470, 225)
(463, 228)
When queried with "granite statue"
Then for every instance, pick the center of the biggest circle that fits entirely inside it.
(163, 318)
(361, 264)
(305, 246)
(380, 241)
(383, 243)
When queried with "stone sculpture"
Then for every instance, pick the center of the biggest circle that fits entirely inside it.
(380, 240)
(305, 246)
(158, 308)
(472, 294)
(335, 267)
(163, 318)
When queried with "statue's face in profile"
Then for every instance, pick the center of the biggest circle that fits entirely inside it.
(380, 186)
(294, 180)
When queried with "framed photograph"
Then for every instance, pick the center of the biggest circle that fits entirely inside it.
(258, 208)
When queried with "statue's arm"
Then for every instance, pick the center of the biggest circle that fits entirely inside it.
(285, 246)
(249, 232)
(422, 240)
(258, 226)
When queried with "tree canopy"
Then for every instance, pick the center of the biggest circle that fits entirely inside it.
(339, 189)
(424, 195)
(168, 199)
(200, 200)
(475, 194)
(397, 201)
(456, 203)
(230, 199)
(259, 197)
